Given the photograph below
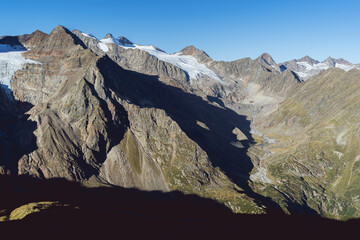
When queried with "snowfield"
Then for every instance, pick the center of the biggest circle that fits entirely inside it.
(187, 63)
(11, 60)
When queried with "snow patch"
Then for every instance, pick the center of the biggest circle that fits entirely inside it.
(339, 138)
(103, 46)
(338, 154)
(260, 176)
(89, 35)
(344, 67)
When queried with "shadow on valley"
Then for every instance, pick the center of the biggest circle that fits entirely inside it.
(12, 41)
(214, 134)
(115, 211)
(16, 133)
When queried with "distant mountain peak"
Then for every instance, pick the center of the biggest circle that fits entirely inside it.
(343, 61)
(201, 55)
(108, 35)
(59, 29)
(308, 59)
(124, 41)
(266, 57)
(59, 40)
(330, 61)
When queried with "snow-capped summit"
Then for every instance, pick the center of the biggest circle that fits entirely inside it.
(307, 67)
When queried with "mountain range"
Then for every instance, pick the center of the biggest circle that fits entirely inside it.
(251, 134)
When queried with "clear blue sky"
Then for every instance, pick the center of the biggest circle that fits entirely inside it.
(225, 29)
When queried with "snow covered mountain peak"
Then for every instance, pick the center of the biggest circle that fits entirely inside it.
(307, 67)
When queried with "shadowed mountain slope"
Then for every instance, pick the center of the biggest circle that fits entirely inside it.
(65, 208)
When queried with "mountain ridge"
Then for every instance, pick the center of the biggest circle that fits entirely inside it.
(111, 112)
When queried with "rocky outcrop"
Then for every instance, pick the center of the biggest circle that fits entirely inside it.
(26, 41)
(202, 56)
(32, 40)
(61, 56)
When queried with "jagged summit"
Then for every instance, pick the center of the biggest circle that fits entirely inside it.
(59, 29)
(59, 40)
(268, 62)
(308, 60)
(330, 61)
(201, 55)
(32, 40)
(266, 57)
(343, 61)
(108, 35)
(124, 41)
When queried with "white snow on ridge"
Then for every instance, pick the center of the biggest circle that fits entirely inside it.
(311, 70)
(344, 67)
(11, 60)
(302, 74)
(89, 35)
(103, 46)
(189, 64)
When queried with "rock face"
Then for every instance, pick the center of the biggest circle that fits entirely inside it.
(61, 57)
(199, 54)
(7, 115)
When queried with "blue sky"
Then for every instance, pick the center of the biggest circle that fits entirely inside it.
(226, 29)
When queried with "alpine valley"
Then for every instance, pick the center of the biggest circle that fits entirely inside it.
(251, 136)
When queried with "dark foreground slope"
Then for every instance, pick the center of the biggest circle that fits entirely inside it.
(118, 212)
